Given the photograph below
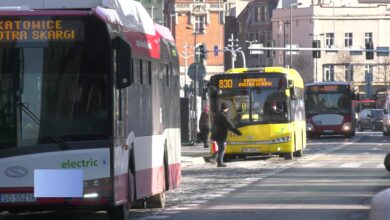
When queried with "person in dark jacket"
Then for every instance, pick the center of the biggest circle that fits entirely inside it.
(204, 127)
(221, 125)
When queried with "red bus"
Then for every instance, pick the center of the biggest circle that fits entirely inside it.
(361, 104)
(328, 107)
(91, 94)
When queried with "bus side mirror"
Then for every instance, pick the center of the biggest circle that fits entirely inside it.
(384, 111)
(293, 94)
(122, 63)
(290, 84)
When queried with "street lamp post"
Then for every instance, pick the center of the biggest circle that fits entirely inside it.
(315, 59)
(291, 5)
(195, 124)
(284, 42)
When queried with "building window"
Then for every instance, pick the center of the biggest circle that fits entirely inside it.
(329, 40)
(200, 23)
(367, 37)
(348, 72)
(257, 14)
(348, 40)
(328, 73)
(263, 13)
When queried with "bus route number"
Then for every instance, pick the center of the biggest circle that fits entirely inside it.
(225, 83)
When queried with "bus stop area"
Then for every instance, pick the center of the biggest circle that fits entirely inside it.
(194, 154)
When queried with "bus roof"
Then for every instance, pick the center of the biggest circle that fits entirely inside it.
(292, 74)
(328, 83)
(52, 4)
(126, 13)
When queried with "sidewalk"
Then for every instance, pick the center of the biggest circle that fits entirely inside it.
(194, 154)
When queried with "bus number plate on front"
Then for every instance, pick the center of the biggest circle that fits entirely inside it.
(250, 150)
(17, 198)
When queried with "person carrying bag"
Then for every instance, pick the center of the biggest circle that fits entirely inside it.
(221, 125)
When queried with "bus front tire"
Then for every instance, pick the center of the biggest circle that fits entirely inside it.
(387, 162)
(156, 201)
(288, 156)
(120, 212)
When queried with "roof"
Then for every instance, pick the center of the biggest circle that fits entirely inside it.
(328, 83)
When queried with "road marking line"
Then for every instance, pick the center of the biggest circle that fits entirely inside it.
(380, 166)
(312, 165)
(350, 165)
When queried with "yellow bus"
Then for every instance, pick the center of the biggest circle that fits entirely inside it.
(267, 106)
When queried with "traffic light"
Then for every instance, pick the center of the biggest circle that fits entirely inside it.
(270, 53)
(203, 52)
(216, 50)
(316, 53)
(369, 54)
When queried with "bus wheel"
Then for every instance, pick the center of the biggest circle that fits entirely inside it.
(120, 212)
(288, 156)
(299, 153)
(156, 201)
(387, 162)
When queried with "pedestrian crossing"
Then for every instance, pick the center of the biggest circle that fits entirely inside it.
(366, 165)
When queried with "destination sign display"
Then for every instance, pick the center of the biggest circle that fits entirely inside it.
(36, 29)
(247, 82)
(328, 88)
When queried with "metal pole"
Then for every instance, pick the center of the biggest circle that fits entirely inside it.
(284, 43)
(291, 35)
(292, 4)
(316, 76)
(195, 88)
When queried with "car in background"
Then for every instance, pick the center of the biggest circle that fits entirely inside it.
(370, 119)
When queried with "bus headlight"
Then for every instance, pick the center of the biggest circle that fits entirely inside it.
(280, 140)
(309, 127)
(346, 126)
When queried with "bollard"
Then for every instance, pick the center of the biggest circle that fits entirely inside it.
(380, 206)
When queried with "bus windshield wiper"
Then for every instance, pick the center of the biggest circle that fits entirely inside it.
(48, 131)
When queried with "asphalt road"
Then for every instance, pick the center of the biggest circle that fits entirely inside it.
(336, 179)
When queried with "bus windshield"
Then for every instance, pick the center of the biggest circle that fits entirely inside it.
(63, 89)
(335, 103)
(256, 106)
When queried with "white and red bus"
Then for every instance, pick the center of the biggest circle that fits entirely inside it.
(91, 91)
(329, 109)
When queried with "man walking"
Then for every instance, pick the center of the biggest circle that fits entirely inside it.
(221, 125)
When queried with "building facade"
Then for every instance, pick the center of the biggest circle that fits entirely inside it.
(341, 26)
(195, 23)
(255, 27)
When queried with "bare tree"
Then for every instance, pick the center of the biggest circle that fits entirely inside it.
(383, 71)
(344, 58)
(303, 63)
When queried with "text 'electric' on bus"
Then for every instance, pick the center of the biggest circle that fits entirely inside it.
(329, 109)
(267, 106)
(89, 103)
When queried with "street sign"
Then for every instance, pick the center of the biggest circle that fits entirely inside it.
(255, 46)
(216, 50)
(294, 50)
(383, 51)
(256, 52)
(196, 71)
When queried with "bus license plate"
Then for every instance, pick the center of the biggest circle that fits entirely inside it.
(250, 150)
(328, 131)
(17, 198)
